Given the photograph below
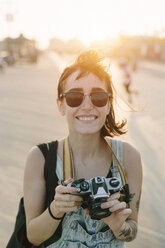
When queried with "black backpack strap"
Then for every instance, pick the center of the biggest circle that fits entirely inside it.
(51, 183)
(50, 172)
(44, 148)
(49, 151)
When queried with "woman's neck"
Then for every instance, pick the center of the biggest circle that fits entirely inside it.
(85, 146)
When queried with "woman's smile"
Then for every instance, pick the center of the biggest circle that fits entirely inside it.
(86, 118)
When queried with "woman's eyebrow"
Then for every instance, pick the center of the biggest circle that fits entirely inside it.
(76, 90)
(97, 90)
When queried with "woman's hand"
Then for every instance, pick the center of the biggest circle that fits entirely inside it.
(119, 212)
(64, 201)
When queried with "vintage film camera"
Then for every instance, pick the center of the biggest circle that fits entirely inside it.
(94, 192)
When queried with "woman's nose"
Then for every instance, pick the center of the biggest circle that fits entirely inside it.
(87, 102)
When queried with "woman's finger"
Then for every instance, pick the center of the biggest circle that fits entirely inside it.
(68, 197)
(114, 196)
(121, 205)
(126, 211)
(66, 182)
(61, 204)
(63, 189)
(109, 204)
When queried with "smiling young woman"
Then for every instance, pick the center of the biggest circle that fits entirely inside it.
(85, 97)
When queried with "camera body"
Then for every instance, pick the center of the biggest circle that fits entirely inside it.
(96, 191)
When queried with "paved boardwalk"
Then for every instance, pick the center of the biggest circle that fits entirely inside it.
(29, 115)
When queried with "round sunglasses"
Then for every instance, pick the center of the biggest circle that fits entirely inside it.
(74, 99)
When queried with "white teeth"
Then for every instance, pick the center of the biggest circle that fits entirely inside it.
(86, 118)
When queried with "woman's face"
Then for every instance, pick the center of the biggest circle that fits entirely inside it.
(85, 118)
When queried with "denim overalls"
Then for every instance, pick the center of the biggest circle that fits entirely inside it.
(79, 230)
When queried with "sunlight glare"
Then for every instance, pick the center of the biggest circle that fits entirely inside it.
(86, 20)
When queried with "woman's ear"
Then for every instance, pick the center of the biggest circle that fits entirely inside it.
(108, 107)
(61, 107)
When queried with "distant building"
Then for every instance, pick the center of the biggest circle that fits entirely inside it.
(15, 44)
(145, 47)
(19, 47)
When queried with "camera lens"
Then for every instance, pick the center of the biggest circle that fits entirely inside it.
(96, 212)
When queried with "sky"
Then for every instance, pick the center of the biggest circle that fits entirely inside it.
(87, 20)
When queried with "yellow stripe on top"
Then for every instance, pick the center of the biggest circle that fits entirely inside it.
(68, 169)
(122, 174)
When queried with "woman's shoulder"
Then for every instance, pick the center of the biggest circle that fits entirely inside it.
(35, 159)
(40, 150)
(131, 158)
(36, 156)
(130, 151)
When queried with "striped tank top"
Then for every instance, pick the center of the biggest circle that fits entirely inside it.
(78, 229)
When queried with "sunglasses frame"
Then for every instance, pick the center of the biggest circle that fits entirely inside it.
(64, 95)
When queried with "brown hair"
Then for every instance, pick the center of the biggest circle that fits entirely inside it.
(90, 62)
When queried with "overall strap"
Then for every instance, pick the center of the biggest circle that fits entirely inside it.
(117, 150)
(116, 147)
(118, 169)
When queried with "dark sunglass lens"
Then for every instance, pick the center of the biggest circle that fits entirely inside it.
(74, 99)
(99, 99)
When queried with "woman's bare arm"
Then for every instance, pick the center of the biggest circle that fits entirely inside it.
(133, 167)
(37, 220)
(123, 220)
(40, 225)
